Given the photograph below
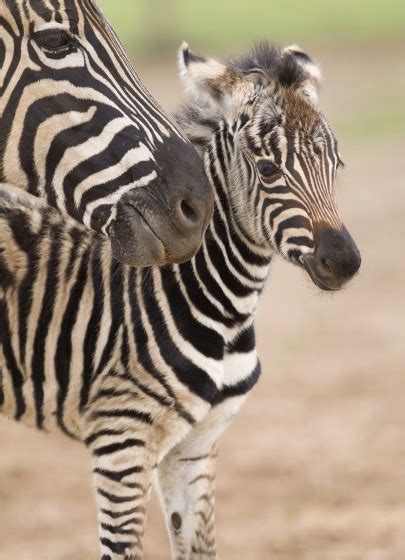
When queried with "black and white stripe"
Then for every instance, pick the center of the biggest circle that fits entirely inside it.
(148, 366)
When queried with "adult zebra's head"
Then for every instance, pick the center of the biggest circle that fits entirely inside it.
(78, 128)
(256, 120)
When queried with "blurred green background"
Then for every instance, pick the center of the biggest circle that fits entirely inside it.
(372, 31)
(147, 25)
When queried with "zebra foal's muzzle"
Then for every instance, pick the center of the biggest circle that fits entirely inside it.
(336, 258)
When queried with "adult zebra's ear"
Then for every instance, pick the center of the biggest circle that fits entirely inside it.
(210, 79)
(305, 74)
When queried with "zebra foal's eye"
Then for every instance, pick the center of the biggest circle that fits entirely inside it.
(53, 39)
(267, 169)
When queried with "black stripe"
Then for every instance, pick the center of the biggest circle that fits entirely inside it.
(11, 363)
(143, 417)
(101, 433)
(63, 354)
(28, 243)
(244, 342)
(1, 384)
(116, 547)
(116, 499)
(115, 291)
(125, 513)
(291, 223)
(44, 320)
(93, 327)
(117, 476)
(162, 400)
(117, 530)
(6, 276)
(118, 446)
(241, 388)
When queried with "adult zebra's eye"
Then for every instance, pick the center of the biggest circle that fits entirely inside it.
(267, 169)
(53, 39)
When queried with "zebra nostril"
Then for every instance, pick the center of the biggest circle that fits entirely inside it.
(189, 214)
(187, 210)
(325, 266)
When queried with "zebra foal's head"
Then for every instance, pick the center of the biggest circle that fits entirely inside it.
(257, 118)
(78, 128)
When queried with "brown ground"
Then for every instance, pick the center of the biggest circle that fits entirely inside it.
(314, 466)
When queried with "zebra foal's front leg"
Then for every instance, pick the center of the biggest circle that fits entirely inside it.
(123, 467)
(187, 486)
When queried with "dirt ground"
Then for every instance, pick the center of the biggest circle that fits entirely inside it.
(314, 466)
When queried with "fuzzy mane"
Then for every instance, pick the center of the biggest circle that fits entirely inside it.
(266, 63)
(270, 61)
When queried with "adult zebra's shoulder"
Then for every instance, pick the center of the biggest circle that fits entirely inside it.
(147, 366)
(79, 129)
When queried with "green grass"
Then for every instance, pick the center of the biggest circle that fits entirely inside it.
(153, 25)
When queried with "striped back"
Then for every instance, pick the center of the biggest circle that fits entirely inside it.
(78, 128)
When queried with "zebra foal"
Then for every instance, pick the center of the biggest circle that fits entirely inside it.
(148, 366)
(79, 129)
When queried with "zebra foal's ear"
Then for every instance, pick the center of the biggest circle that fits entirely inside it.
(206, 77)
(308, 73)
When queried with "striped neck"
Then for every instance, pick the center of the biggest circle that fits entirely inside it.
(230, 269)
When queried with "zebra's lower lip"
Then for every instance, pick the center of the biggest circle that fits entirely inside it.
(147, 225)
(155, 230)
(318, 280)
(134, 242)
(335, 260)
(143, 234)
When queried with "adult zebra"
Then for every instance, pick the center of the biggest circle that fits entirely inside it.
(79, 129)
(147, 366)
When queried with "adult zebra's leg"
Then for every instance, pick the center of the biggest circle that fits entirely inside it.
(123, 467)
(187, 486)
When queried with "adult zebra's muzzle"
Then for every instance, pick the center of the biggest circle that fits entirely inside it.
(153, 230)
(164, 221)
(336, 258)
(145, 234)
